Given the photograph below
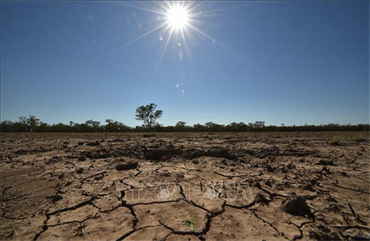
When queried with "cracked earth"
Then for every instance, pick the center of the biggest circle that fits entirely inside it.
(184, 186)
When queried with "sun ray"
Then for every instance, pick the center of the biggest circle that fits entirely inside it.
(200, 32)
(220, 9)
(141, 8)
(186, 46)
(210, 38)
(145, 34)
(165, 46)
(141, 36)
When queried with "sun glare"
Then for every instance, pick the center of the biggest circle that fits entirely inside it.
(177, 17)
(177, 21)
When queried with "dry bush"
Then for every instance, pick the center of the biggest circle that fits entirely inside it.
(361, 137)
(334, 141)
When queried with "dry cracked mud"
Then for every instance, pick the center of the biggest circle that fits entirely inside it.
(184, 186)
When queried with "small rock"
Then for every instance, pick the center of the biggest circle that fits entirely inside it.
(224, 162)
(290, 166)
(287, 183)
(195, 161)
(268, 183)
(82, 158)
(331, 199)
(308, 186)
(61, 176)
(99, 177)
(126, 166)
(325, 169)
(325, 163)
(344, 174)
(313, 181)
(55, 198)
(260, 198)
(269, 168)
(166, 173)
(54, 159)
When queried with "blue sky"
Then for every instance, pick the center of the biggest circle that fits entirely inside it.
(280, 62)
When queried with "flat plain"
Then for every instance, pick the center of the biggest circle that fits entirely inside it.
(184, 186)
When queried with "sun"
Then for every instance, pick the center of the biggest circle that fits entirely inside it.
(177, 17)
(176, 23)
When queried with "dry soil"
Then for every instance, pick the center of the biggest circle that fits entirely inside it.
(184, 186)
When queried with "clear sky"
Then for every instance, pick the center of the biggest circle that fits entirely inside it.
(279, 62)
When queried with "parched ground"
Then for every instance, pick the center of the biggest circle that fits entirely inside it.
(184, 186)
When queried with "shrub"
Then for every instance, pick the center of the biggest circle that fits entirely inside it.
(361, 137)
(334, 141)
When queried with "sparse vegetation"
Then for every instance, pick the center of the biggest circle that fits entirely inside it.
(334, 141)
(361, 137)
(189, 224)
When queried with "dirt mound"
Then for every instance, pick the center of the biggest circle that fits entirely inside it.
(161, 153)
(296, 205)
(126, 165)
(210, 152)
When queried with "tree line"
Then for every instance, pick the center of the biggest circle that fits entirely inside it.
(33, 124)
(149, 115)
